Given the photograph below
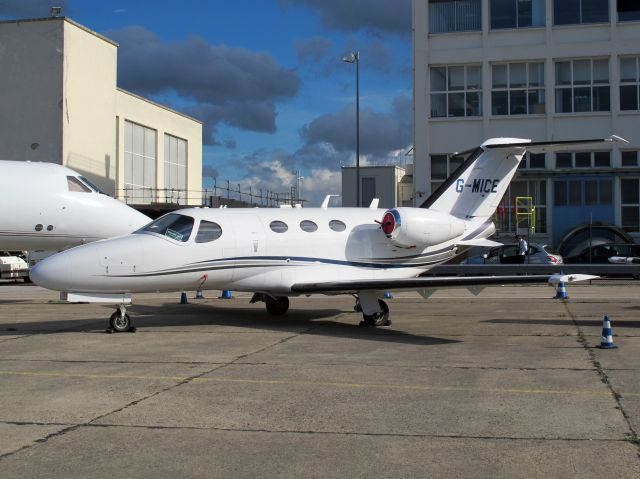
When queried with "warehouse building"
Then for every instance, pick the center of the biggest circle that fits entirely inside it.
(59, 103)
(539, 69)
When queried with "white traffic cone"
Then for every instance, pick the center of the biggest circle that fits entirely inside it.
(607, 335)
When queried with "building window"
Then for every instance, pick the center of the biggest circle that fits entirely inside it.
(506, 212)
(517, 88)
(582, 192)
(628, 10)
(575, 12)
(175, 169)
(454, 16)
(517, 13)
(584, 159)
(629, 83)
(582, 86)
(533, 161)
(368, 190)
(139, 163)
(443, 166)
(455, 91)
(629, 158)
(630, 195)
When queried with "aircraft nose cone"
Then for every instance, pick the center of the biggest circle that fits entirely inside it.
(53, 272)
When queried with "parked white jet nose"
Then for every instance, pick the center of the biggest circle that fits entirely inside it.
(53, 272)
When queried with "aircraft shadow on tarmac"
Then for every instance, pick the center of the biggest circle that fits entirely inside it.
(155, 318)
(566, 322)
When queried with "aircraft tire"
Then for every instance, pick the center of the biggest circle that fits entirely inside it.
(120, 323)
(279, 306)
(378, 319)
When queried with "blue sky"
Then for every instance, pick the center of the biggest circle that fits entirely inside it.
(266, 77)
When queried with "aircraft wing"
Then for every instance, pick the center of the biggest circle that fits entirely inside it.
(433, 282)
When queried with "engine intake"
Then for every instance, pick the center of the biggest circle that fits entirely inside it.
(420, 228)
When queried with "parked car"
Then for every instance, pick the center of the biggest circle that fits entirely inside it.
(508, 254)
(601, 253)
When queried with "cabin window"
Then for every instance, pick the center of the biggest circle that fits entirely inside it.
(208, 231)
(75, 185)
(308, 226)
(337, 225)
(174, 226)
(278, 226)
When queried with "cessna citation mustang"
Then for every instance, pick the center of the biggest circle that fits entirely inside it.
(281, 252)
(44, 206)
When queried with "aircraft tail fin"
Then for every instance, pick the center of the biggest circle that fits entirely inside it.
(475, 189)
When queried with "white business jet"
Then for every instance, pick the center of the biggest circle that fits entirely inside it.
(44, 206)
(281, 252)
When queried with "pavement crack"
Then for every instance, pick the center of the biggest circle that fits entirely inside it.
(617, 397)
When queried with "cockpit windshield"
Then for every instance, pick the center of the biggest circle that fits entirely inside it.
(91, 185)
(174, 226)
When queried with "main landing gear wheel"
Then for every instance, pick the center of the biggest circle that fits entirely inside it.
(277, 306)
(377, 319)
(120, 321)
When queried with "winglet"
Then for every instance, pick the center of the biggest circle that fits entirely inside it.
(325, 203)
(570, 278)
(374, 204)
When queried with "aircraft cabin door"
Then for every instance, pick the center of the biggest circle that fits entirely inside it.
(250, 244)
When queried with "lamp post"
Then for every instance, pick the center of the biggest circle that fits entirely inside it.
(354, 57)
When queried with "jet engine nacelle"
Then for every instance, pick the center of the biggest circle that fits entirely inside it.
(416, 227)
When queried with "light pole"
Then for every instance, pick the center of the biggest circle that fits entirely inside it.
(354, 57)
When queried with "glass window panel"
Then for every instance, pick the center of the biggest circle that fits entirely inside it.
(308, 226)
(438, 105)
(606, 194)
(128, 167)
(536, 102)
(563, 160)
(454, 163)
(563, 73)
(582, 99)
(628, 97)
(438, 79)
(525, 13)
(208, 231)
(602, 159)
(560, 193)
(128, 136)
(278, 226)
(583, 160)
(630, 218)
(438, 167)
(575, 193)
(542, 194)
(517, 75)
(628, 70)
(582, 72)
(456, 78)
(564, 100)
(536, 74)
(629, 158)
(456, 104)
(182, 152)
(337, 225)
(473, 104)
(630, 192)
(601, 99)
(628, 10)
(518, 102)
(149, 172)
(601, 71)
(594, 11)
(473, 78)
(503, 14)
(138, 139)
(149, 142)
(138, 166)
(590, 192)
(500, 102)
(499, 76)
(536, 160)
(566, 12)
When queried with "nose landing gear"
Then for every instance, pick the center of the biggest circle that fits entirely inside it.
(380, 318)
(120, 321)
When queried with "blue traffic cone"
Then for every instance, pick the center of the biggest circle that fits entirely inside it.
(607, 335)
(183, 298)
(226, 294)
(199, 294)
(387, 295)
(561, 292)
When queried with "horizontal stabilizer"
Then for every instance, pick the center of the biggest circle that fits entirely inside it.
(570, 278)
(483, 242)
(553, 146)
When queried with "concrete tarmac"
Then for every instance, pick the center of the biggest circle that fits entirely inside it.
(504, 384)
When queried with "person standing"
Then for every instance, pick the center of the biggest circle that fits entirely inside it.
(522, 248)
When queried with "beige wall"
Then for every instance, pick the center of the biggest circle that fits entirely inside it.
(31, 55)
(89, 105)
(130, 107)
